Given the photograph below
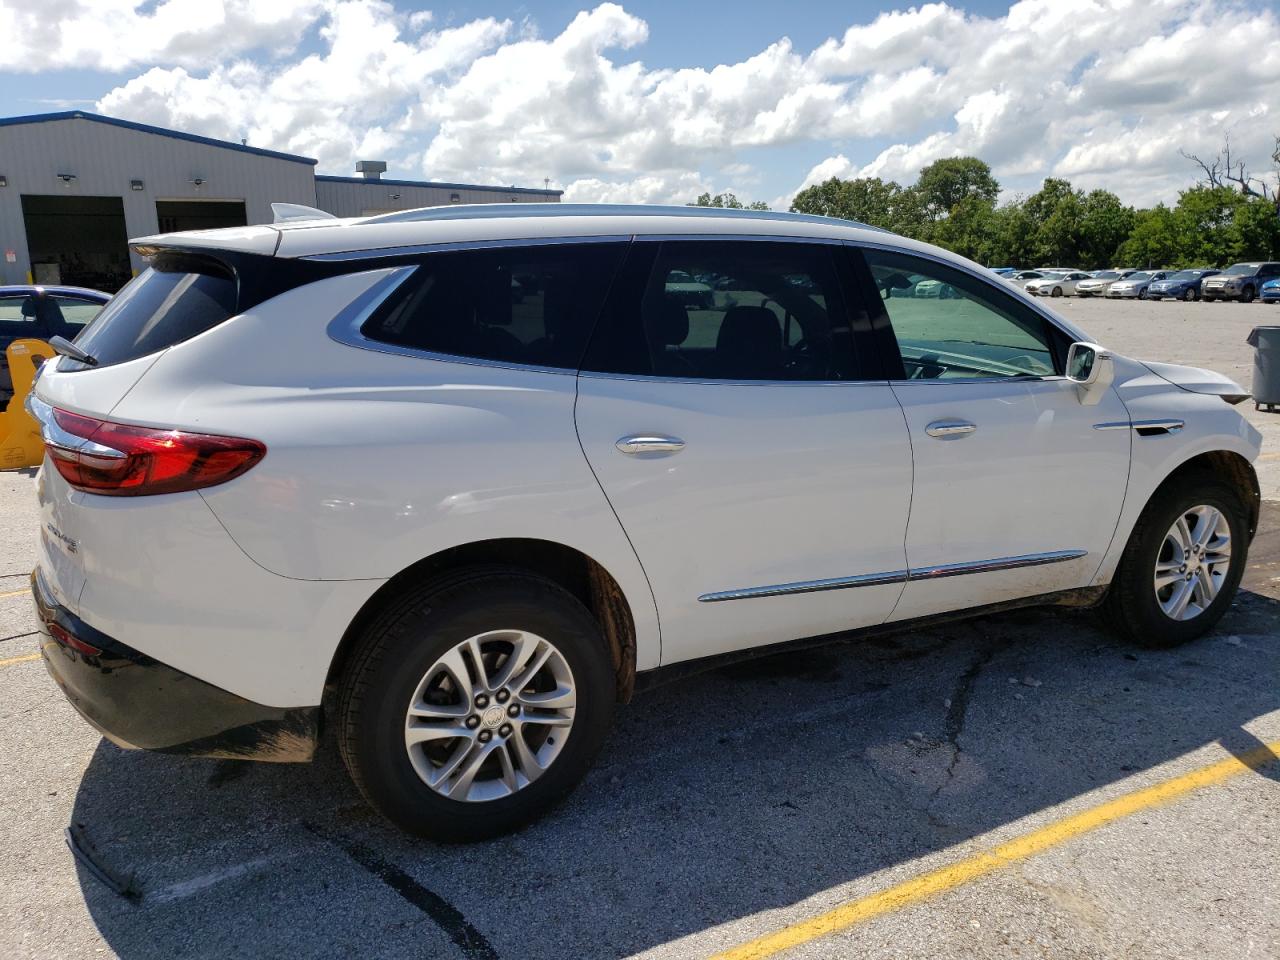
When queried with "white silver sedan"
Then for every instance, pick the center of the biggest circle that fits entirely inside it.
(1057, 284)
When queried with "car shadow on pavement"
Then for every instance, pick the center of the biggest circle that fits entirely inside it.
(743, 790)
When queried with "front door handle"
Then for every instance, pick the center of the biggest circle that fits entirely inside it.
(950, 428)
(649, 443)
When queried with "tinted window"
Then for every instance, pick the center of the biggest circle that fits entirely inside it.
(177, 297)
(39, 315)
(528, 305)
(731, 310)
(969, 329)
(12, 321)
(77, 312)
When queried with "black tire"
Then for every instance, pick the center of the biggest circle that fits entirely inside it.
(1142, 294)
(1057, 292)
(1131, 606)
(1210, 299)
(1191, 295)
(400, 646)
(1248, 295)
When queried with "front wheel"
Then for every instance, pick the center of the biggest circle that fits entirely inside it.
(1248, 295)
(475, 703)
(1182, 564)
(1190, 294)
(1142, 294)
(1057, 292)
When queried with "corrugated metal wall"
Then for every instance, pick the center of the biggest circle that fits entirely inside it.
(357, 198)
(105, 158)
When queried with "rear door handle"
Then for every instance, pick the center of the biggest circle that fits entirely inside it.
(950, 428)
(649, 443)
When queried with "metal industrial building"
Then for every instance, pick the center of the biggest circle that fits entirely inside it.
(75, 186)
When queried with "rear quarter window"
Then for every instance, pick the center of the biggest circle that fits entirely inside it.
(532, 306)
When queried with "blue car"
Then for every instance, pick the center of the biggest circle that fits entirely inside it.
(1270, 292)
(1183, 285)
(42, 312)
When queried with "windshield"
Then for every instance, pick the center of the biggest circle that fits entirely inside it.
(1241, 270)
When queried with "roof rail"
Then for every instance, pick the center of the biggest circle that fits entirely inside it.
(480, 211)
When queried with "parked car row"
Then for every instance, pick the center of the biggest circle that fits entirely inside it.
(1240, 281)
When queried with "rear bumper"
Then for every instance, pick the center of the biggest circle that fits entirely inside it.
(140, 703)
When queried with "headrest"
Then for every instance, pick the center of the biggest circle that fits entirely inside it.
(671, 327)
(750, 341)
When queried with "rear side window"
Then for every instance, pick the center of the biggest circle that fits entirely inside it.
(730, 310)
(179, 296)
(525, 305)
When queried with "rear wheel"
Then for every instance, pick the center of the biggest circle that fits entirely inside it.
(475, 704)
(1182, 564)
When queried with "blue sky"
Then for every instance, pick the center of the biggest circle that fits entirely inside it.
(657, 101)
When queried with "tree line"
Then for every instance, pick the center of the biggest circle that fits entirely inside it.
(1227, 217)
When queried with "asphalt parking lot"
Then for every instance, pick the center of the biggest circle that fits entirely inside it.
(1018, 786)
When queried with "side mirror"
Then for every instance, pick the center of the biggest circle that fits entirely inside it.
(1091, 369)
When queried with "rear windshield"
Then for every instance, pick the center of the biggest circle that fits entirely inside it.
(177, 297)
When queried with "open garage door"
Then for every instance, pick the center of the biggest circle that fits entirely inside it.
(175, 215)
(79, 241)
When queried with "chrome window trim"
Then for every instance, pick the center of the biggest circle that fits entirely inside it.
(457, 246)
(652, 378)
(1025, 300)
(897, 576)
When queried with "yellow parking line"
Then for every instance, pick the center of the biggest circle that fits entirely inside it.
(12, 660)
(947, 878)
(15, 593)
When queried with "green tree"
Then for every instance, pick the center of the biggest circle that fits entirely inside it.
(1105, 224)
(945, 183)
(1154, 240)
(870, 200)
(727, 201)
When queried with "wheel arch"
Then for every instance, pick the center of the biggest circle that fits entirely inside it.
(1230, 466)
(575, 571)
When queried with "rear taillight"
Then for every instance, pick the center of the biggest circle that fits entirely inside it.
(121, 460)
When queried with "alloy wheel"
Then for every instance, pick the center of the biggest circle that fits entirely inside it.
(490, 716)
(1193, 562)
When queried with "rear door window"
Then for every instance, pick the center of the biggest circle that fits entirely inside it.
(533, 306)
(730, 310)
(179, 296)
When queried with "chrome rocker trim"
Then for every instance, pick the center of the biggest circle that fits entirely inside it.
(897, 576)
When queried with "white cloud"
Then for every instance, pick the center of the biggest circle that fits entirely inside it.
(1054, 87)
(119, 34)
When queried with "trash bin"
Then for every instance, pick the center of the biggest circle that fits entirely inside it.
(1266, 366)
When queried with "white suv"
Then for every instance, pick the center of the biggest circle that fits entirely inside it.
(477, 472)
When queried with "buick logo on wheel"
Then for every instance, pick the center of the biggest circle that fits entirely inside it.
(493, 717)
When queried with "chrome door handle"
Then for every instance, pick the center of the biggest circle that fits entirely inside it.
(646, 443)
(950, 428)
